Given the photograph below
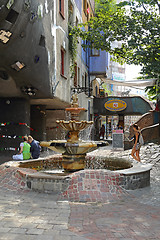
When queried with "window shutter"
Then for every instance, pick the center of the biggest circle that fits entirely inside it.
(63, 8)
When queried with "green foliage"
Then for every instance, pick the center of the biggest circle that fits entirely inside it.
(108, 91)
(151, 92)
(105, 5)
(72, 49)
(135, 25)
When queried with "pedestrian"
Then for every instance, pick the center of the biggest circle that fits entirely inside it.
(120, 127)
(137, 145)
(102, 132)
(35, 147)
(24, 153)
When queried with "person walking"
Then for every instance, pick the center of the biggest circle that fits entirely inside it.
(102, 132)
(136, 147)
(35, 147)
(24, 153)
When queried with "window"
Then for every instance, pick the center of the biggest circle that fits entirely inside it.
(96, 91)
(83, 81)
(40, 11)
(79, 80)
(87, 12)
(18, 66)
(42, 41)
(4, 75)
(4, 36)
(75, 75)
(95, 52)
(9, 4)
(76, 22)
(12, 16)
(86, 83)
(61, 7)
(70, 12)
(62, 61)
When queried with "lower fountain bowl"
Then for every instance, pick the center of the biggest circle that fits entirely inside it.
(73, 152)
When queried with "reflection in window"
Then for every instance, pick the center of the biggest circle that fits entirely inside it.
(42, 41)
(61, 7)
(95, 52)
(12, 16)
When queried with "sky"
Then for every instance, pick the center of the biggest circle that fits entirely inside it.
(132, 72)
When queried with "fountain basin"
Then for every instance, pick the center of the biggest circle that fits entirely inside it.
(85, 184)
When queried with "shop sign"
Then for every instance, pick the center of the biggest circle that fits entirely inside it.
(115, 105)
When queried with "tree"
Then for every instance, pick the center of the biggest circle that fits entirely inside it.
(135, 25)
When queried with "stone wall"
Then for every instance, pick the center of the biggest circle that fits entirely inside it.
(88, 184)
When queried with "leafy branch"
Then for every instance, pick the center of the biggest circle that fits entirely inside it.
(73, 41)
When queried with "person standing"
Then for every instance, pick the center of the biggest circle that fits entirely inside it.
(24, 153)
(102, 132)
(35, 147)
(136, 147)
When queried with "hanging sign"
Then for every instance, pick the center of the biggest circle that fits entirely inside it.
(115, 105)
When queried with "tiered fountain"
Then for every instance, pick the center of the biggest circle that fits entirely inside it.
(103, 176)
(73, 150)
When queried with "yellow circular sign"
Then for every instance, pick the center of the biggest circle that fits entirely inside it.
(115, 105)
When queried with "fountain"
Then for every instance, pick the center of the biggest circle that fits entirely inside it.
(73, 150)
(102, 178)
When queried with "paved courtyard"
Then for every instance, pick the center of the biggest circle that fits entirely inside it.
(31, 215)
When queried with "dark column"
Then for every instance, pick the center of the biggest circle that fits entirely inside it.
(158, 100)
(96, 127)
(38, 122)
(121, 120)
(106, 127)
(14, 123)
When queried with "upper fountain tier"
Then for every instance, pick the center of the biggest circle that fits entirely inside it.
(74, 126)
(75, 109)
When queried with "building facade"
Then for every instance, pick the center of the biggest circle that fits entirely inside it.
(35, 74)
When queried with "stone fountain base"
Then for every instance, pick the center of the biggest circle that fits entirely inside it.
(74, 162)
(89, 185)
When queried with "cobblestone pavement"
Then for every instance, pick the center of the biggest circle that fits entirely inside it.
(149, 153)
(31, 215)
